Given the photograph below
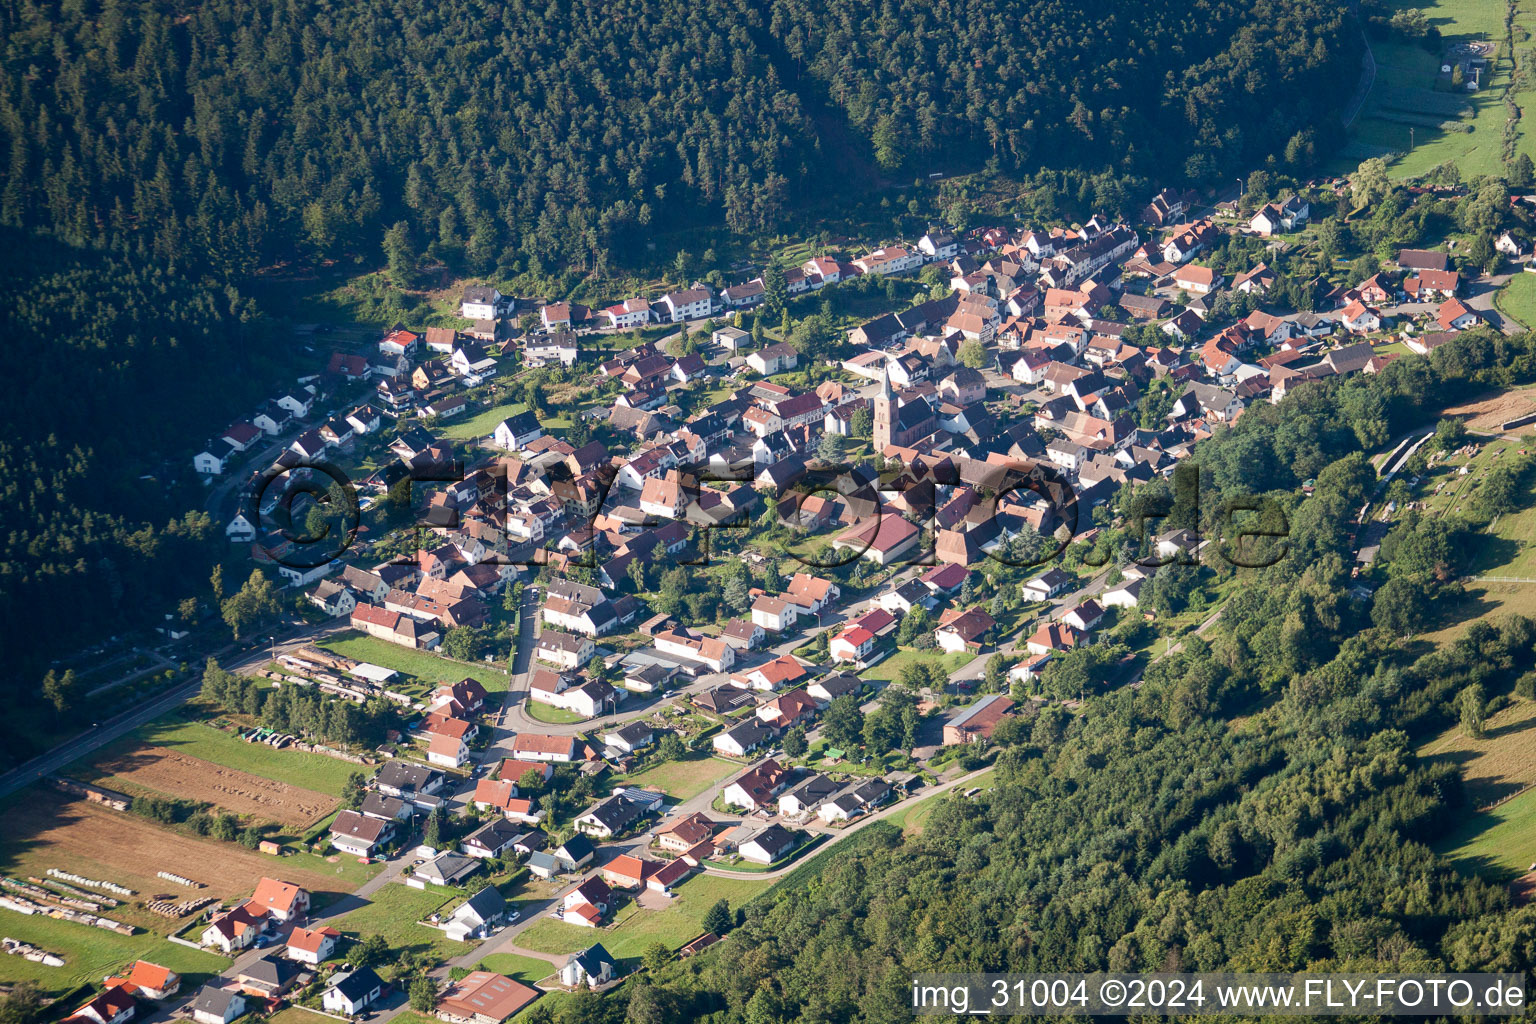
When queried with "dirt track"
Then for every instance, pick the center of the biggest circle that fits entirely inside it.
(175, 774)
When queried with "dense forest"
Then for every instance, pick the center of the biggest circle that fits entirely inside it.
(520, 135)
(99, 523)
(1256, 805)
(1191, 90)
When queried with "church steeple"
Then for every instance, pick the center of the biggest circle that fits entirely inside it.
(885, 410)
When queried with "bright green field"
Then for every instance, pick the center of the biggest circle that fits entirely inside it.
(422, 664)
(1401, 65)
(1517, 299)
(526, 969)
(891, 667)
(311, 771)
(394, 911)
(1499, 844)
(90, 954)
(551, 714)
(635, 928)
(684, 779)
(481, 424)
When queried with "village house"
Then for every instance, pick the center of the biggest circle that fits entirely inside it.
(757, 789)
(350, 992)
(1289, 214)
(217, 1005)
(359, 834)
(961, 631)
(774, 359)
(269, 977)
(312, 946)
(768, 845)
(481, 997)
(977, 721)
(593, 966)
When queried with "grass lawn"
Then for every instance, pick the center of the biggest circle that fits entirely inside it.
(550, 1002)
(311, 771)
(891, 667)
(422, 664)
(551, 714)
(90, 954)
(525, 969)
(292, 1014)
(1498, 844)
(1517, 299)
(482, 424)
(682, 780)
(1502, 762)
(636, 928)
(394, 911)
(1508, 547)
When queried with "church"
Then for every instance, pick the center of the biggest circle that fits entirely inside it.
(898, 423)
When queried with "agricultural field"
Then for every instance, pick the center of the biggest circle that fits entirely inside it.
(635, 928)
(163, 772)
(1410, 105)
(421, 664)
(90, 954)
(1501, 763)
(43, 829)
(198, 740)
(682, 780)
(1508, 547)
(1488, 413)
(527, 969)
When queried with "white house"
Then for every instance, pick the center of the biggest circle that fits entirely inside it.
(472, 364)
(1047, 585)
(937, 245)
(217, 1005)
(312, 946)
(212, 459)
(240, 530)
(853, 644)
(1288, 215)
(688, 304)
(350, 992)
(774, 359)
(1125, 594)
(593, 965)
(517, 432)
(481, 302)
(629, 313)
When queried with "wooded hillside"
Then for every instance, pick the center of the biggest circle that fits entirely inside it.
(522, 136)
